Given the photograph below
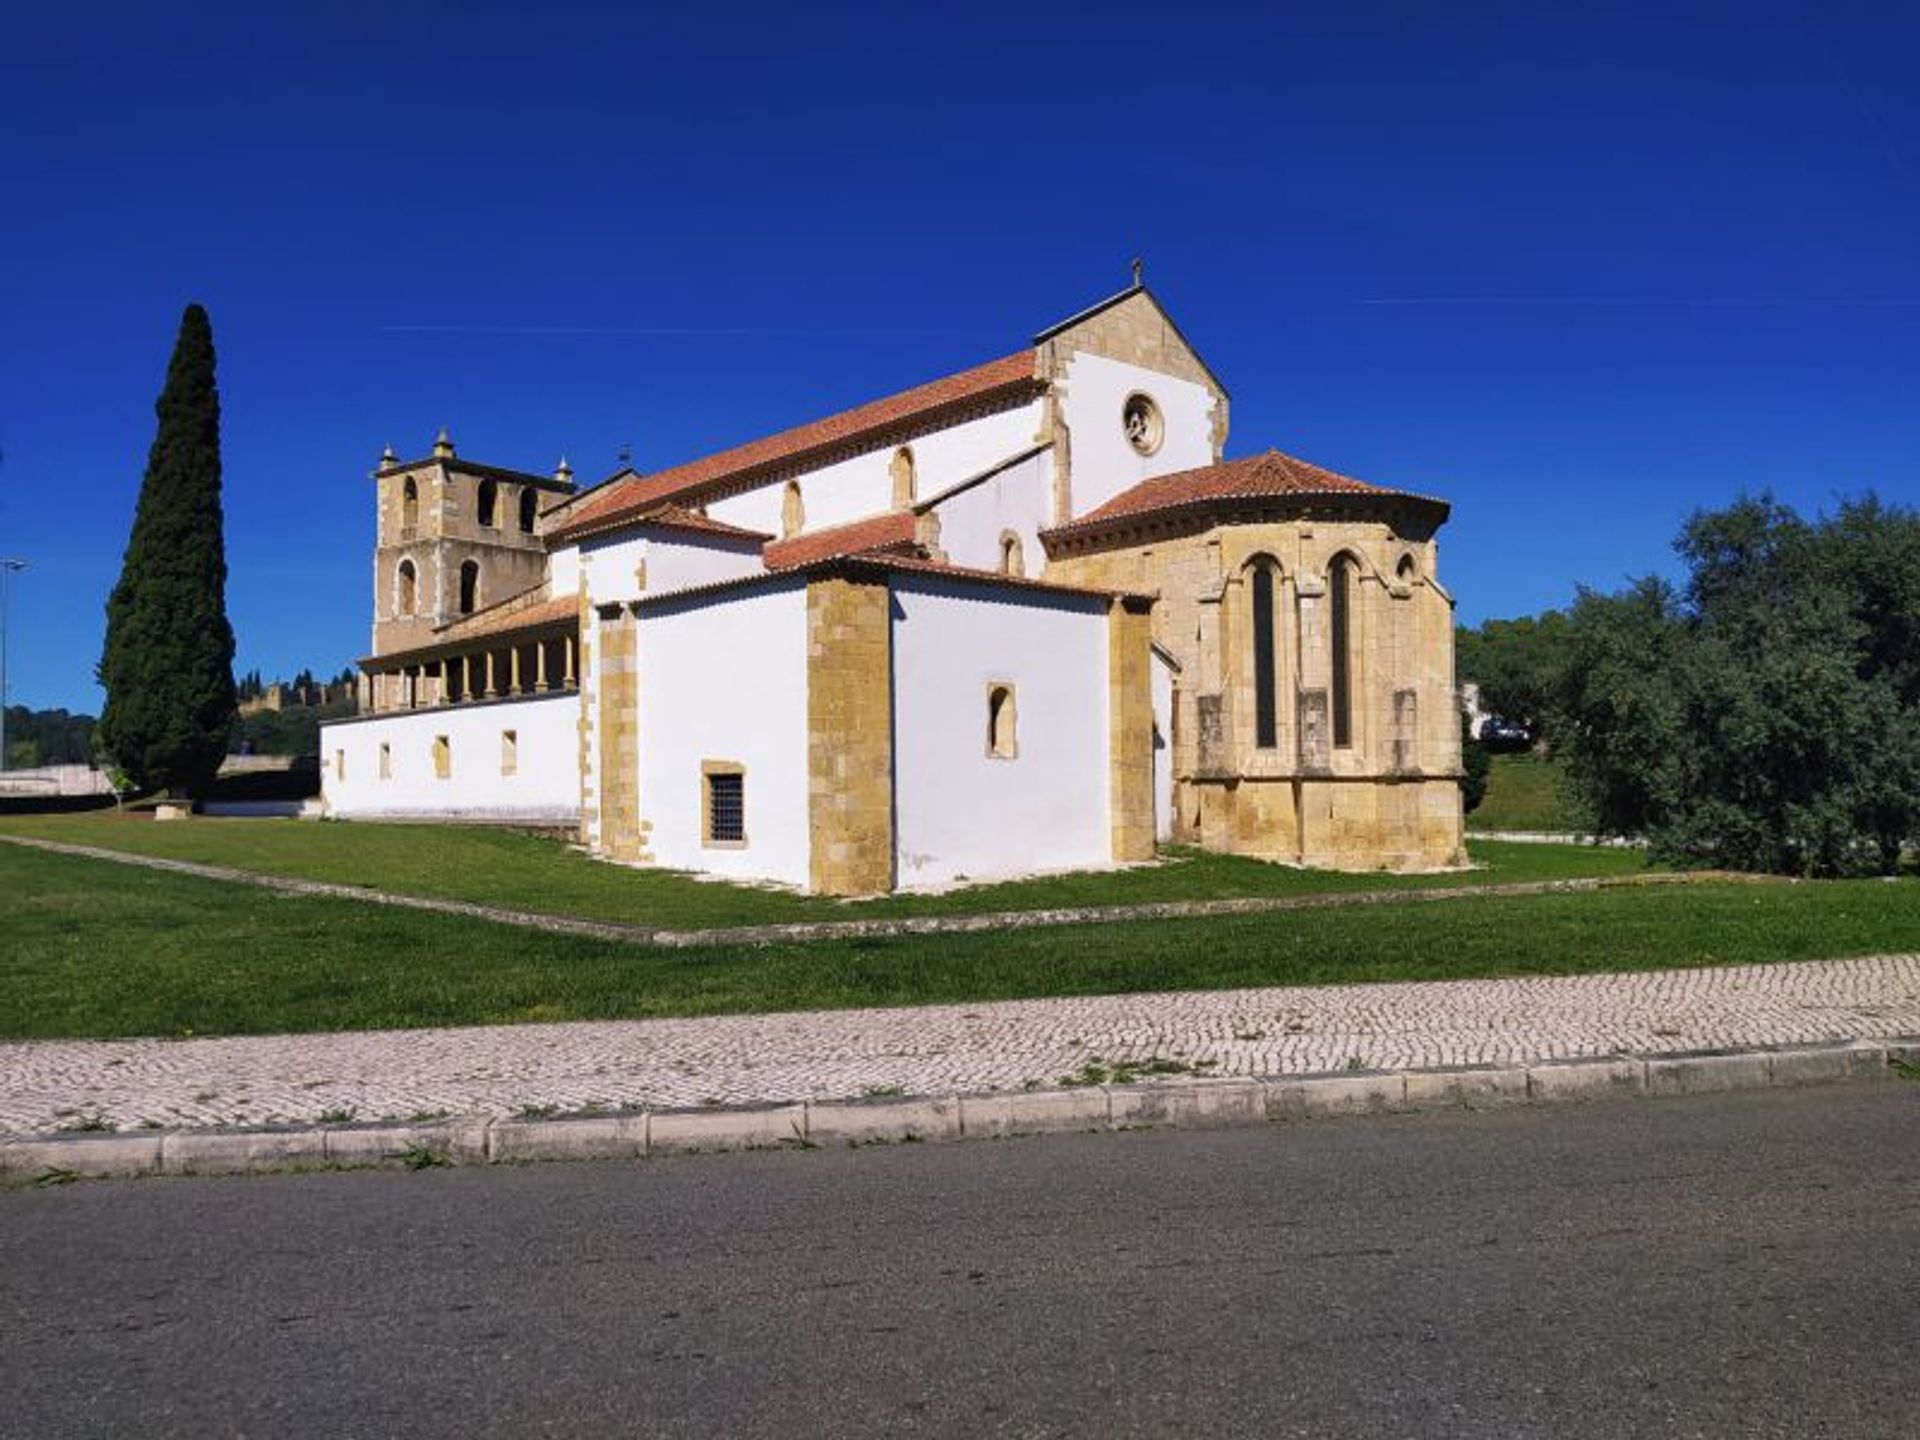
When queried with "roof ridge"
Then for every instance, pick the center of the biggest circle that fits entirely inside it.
(621, 497)
(1268, 474)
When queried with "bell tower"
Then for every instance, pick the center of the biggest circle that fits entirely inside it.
(453, 537)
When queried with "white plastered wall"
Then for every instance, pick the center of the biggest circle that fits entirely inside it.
(610, 565)
(725, 679)
(1018, 499)
(861, 487)
(958, 811)
(563, 571)
(1104, 462)
(544, 787)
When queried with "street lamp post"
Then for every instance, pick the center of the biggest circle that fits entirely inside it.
(7, 567)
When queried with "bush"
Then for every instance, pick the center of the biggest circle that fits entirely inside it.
(1766, 717)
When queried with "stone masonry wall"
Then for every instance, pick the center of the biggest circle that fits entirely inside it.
(1390, 799)
(1130, 718)
(850, 736)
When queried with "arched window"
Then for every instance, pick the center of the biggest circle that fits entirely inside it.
(529, 509)
(1409, 570)
(1340, 580)
(409, 597)
(793, 510)
(1013, 559)
(1266, 668)
(469, 586)
(409, 504)
(1003, 742)
(905, 483)
(489, 502)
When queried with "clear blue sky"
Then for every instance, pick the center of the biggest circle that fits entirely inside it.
(1578, 268)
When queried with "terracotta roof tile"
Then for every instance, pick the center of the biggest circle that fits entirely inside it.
(1252, 478)
(894, 529)
(678, 517)
(500, 620)
(622, 498)
(920, 565)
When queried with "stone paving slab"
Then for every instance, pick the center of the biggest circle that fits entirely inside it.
(1008, 1047)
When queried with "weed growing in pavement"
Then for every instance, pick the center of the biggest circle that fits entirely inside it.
(90, 1123)
(1905, 1069)
(1125, 1072)
(53, 1175)
(422, 1157)
(537, 1112)
(876, 1092)
(339, 1115)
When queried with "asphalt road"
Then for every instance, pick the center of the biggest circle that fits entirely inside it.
(1743, 1265)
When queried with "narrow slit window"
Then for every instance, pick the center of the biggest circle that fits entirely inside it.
(509, 752)
(386, 760)
(340, 765)
(1266, 700)
(1003, 741)
(442, 758)
(469, 586)
(1340, 607)
(726, 806)
(1012, 559)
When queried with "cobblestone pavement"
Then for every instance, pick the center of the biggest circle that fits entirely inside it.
(47, 1086)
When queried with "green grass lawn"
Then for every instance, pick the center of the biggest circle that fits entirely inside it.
(1523, 793)
(524, 872)
(91, 948)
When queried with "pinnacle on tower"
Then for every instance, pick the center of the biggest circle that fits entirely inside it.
(563, 472)
(388, 459)
(443, 445)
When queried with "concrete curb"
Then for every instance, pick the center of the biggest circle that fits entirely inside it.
(1180, 1103)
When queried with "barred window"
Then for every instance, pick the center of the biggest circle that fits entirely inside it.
(726, 809)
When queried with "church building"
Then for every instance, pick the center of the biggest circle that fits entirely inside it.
(1024, 618)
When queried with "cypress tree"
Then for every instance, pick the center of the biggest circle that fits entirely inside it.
(168, 662)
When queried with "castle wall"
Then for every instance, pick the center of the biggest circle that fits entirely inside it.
(544, 785)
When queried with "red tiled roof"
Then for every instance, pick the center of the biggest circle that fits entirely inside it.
(621, 499)
(499, 620)
(895, 528)
(890, 561)
(920, 565)
(1253, 478)
(678, 517)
